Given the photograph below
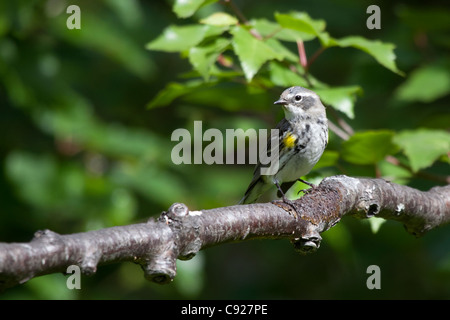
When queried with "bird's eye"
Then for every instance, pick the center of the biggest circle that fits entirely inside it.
(298, 97)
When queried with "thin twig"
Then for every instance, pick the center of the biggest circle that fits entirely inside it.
(302, 54)
(236, 10)
(242, 18)
(344, 125)
(421, 174)
(270, 35)
(314, 57)
(338, 131)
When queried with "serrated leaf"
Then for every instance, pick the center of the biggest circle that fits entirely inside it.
(341, 98)
(423, 146)
(300, 21)
(203, 57)
(368, 147)
(284, 77)
(181, 38)
(381, 51)
(280, 48)
(425, 84)
(252, 52)
(220, 19)
(272, 29)
(309, 28)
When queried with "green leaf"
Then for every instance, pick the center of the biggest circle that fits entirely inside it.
(423, 146)
(220, 19)
(376, 223)
(282, 76)
(252, 52)
(300, 21)
(232, 98)
(278, 47)
(382, 52)
(394, 173)
(181, 38)
(175, 90)
(186, 8)
(328, 159)
(273, 30)
(203, 57)
(309, 28)
(425, 84)
(368, 147)
(341, 98)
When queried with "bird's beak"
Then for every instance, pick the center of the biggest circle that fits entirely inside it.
(281, 101)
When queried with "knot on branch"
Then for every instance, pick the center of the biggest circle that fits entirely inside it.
(308, 243)
(90, 261)
(178, 240)
(174, 217)
(47, 237)
(318, 210)
(161, 267)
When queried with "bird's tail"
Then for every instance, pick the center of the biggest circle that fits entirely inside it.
(254, 191)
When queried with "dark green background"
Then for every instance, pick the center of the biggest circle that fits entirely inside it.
(79, 150)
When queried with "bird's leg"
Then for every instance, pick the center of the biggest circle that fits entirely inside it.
(307, 183)
(281, 191)
(286, 200)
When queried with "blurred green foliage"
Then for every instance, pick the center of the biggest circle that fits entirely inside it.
(87, 117)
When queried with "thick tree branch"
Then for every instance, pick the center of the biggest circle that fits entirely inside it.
(180, 233)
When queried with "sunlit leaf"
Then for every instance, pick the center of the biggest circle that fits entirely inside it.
(425, 84)
(181, 38)
(423, 146)
(300, 21)
(368, 147)
(175, 90)
(328, 159)
(203, 57)
(303, 23)
(272, 29)
(252, 52)
(381, 51)
(394, 173)
(186, 8)
(282, 76)
(277, 46)
(376, 223)
(220, 19)
(341, 98)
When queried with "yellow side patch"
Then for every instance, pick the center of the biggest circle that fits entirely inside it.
(289, 141)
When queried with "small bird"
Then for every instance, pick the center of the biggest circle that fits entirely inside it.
(302, 138)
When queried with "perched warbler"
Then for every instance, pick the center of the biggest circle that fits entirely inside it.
(301, 139)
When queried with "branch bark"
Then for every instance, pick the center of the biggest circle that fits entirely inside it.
(180, 233)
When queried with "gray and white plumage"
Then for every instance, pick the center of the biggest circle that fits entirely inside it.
(302, 138)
